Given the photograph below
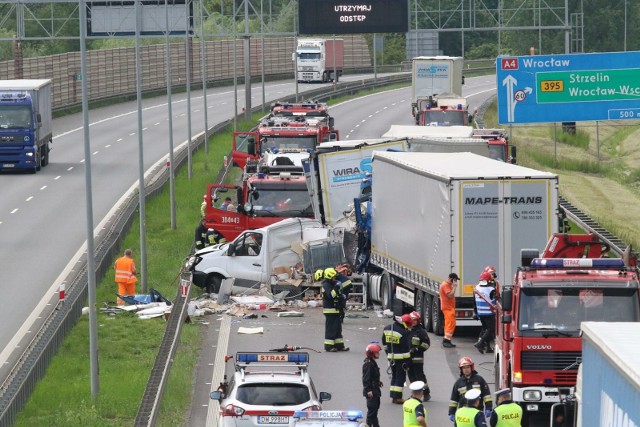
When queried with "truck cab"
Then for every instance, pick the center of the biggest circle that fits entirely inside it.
(538, 336)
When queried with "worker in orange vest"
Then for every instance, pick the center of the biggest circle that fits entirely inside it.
(126, 278)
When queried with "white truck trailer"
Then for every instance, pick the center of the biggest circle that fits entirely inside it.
(26, 124)
(433, 214)
(432, 76)
(319, 60)
(608, 388)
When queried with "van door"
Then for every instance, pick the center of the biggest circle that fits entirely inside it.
(248, 260)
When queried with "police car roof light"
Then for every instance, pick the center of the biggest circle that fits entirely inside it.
(328, 415)
(542, 263)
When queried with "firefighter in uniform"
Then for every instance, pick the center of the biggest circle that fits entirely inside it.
(201, 235)
(415, 414)
(396, 340)
(485, 302)
(469, 380)
(420, 343)
(213, 237)
(332, 301)
(507, 413)
(469, 415)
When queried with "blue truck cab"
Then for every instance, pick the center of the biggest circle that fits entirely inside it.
(25, 124)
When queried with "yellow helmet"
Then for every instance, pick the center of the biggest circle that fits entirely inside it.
(330, 273)
(318, 274)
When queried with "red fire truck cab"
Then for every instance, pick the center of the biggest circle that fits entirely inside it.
(538, 341)
(263, 199)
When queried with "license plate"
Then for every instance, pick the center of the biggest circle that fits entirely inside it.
(8, 165)
(273, 419)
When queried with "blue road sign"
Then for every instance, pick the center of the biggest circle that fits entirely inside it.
(568, 88)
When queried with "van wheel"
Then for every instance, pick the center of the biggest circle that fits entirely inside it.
(437, 317)
(213, 283)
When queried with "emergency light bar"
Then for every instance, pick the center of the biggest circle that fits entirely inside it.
(328, 415)
(540, 263)
(297, 358)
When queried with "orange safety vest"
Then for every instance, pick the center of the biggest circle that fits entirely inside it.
(124, 270)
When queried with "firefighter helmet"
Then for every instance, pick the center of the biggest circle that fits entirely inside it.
(407, 320)
(318, 274)
(372, 349)
(415, 317)
(486, 276)
(492, 270)
(330, 273)
(465, 361)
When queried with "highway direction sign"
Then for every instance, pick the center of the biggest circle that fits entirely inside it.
(568, 88)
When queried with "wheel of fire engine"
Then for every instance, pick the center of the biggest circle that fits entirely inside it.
(213, 283)
(496, 373)
(385, 291)
(427, 316)
(437, 317)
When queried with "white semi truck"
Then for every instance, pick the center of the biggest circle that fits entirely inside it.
(432, 214)
(319, 60)
(433, 77)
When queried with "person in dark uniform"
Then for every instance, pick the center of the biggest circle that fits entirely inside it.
(213, 237)
(201, 235)
(395, 338)
(469, 380)
(371, 383)
(420, 343)
(332, 303)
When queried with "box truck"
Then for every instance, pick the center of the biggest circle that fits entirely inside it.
(319, 60)
(26, 124)
(432, 214)
(432, 76)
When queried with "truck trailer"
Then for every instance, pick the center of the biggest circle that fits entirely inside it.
(609, 384)
(319, 60)
(433, 214)
(26, 124)
(434, 76)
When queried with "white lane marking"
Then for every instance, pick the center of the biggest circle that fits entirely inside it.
(29, 199)
(58, 177)
(69, 168)
(14, 211)
(143, 129)
(107, 146)
(156, 123)
(119, 139)
(43, 187)
(95, 152)
(132, 133)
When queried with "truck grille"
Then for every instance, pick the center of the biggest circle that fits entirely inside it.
(551, 361)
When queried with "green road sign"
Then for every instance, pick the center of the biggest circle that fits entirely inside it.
(588, 86)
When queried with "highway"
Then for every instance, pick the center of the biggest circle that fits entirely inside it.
(340, 373)
(43, 216)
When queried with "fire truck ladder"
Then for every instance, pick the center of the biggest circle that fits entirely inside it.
(587, 224)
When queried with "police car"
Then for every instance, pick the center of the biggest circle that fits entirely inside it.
(328, 419)
(267, 389)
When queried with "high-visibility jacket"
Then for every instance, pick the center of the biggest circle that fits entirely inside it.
(124, 270)
(409, 408)
(508, 414)
(466, 416)
(488, 291)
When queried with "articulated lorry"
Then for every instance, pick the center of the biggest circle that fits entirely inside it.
(433, 77)
(26, 124)
(319, 60)
(538, 336)
(491, 143)
(432, 214)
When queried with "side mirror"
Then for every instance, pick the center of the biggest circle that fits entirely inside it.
(324, 396)
(39, 118)
(506, 299)
(216, 395)
(462, 79)
(251, 146)
(231, 250)
(506, 318)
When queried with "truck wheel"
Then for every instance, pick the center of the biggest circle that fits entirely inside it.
(427, 316)
(213, 283)
(437, 317)
(385, 290)
(45, 155)
(38, 160)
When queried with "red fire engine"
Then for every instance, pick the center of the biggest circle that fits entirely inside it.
(265, 197)
(277, 135)
(310, 109)
(538, 343)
